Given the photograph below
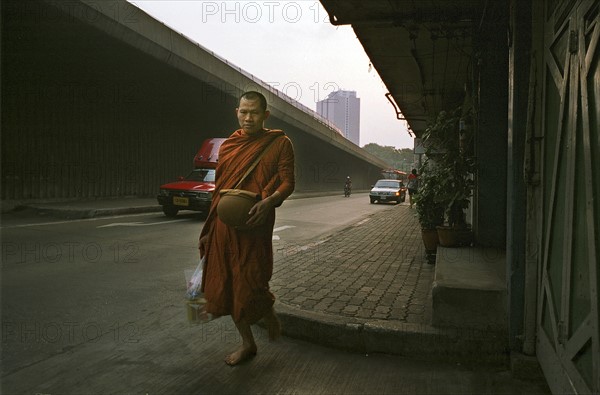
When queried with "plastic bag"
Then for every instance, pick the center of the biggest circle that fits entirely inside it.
(195, 302)
(194, 280)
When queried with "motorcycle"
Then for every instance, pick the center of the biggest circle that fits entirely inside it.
(347, 190)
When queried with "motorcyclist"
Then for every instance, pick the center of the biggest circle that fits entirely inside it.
(347, 187)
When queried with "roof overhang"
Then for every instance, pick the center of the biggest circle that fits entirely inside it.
(422, 50)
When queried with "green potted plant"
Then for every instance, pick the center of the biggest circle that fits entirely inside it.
(430, 212)
(448, 141)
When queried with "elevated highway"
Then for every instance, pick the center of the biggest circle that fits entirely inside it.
(100, 100)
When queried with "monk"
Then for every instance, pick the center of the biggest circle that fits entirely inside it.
(239, 262)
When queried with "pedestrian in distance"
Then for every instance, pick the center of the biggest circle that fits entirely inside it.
(412, 185)
(239, 261)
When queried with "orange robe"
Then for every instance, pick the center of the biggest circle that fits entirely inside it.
(239, 263)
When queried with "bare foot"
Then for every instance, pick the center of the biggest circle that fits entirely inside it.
(273, 326)
(241, 355)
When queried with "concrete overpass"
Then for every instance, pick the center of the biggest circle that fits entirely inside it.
(101, 100)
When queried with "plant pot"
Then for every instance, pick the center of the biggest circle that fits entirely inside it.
(430, 239)
(452, 237)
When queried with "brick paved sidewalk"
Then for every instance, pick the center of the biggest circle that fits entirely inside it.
(375, 269)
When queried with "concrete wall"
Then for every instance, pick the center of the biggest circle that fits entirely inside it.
(103, 105)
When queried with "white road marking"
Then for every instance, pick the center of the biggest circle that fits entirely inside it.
(140, 223)
(283, 228)
(362, 222)
(74, 220)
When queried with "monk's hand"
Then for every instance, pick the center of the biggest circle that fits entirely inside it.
(260, 211)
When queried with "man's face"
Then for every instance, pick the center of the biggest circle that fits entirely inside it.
(250, 116)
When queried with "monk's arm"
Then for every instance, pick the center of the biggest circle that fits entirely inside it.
(285, 176)
(285, 170)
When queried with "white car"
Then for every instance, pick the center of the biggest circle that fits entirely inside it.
(388, 191)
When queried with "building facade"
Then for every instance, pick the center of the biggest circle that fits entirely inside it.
(343, 109)
(531, 68)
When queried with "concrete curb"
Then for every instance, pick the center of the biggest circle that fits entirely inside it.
(469, 346)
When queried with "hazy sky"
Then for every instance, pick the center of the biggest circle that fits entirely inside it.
(292, 46)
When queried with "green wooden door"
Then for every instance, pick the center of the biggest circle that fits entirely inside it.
(567, 335)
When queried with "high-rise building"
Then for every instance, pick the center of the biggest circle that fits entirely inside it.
(343, 109)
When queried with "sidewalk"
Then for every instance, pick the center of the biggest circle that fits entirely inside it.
(373, 270)
(366, 288)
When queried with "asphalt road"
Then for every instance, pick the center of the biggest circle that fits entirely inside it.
(95, 306)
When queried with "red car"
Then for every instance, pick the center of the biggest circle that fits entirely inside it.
(193, 192)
